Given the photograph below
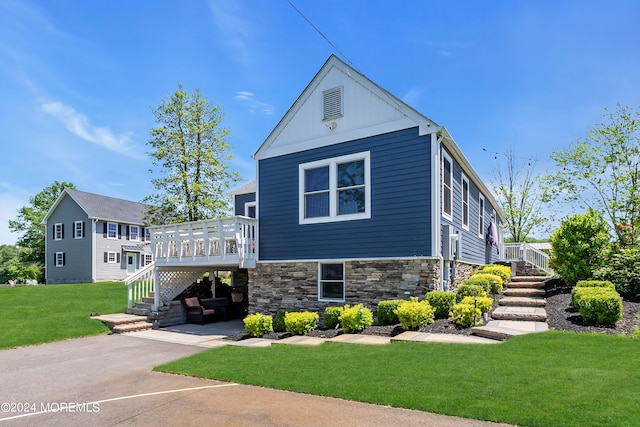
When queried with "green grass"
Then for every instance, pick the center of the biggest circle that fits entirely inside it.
(549, 379)
(39, 314)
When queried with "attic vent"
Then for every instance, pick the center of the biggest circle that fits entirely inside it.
(332, 99)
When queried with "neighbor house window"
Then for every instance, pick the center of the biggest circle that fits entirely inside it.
(465, 202)
(112, 257)
(134, 232)
(447, 186)
(250, 209)
(59, 259)
(331, 282)
(147, 235)
(332, 103)
(112, 231)
(336, 189)
(148, 259)
(78, 230)
(481, 216)
(58, 231)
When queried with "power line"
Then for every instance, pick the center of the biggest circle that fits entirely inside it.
(333, 45)
(529, 160)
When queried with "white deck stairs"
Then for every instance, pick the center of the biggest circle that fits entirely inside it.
(521, 310)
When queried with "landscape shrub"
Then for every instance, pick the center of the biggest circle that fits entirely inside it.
(623, 270)
(466, 290)
(590, 284)
(356, 318)
(386, 312)
(279, 323)
(300, 323)
(499, 270)
(490, 282)
(258, 324)
(442, 302)
(484, 304)
(465, 315)
(332, 316)
(578, 246)
(600, 305)
(414, 314)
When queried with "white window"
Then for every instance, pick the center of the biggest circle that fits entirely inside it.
(332, 103)
(59, 259)
(58, 231)
(112, 257)
(148, 259)
(147, 234)
(481, 216)
(337, 189)
(250, 209)
(465, 202)
(112, 230)
(331, 282)
(134, 232)
(447, 186)
(78, 230)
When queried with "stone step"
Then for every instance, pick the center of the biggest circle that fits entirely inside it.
(532, 285)
(529, 278)
(536, 314)
(132, 327)
(524, 292)
(144, 304)
(141, 311)
(523, 301)
(503, 329)
(148, 300)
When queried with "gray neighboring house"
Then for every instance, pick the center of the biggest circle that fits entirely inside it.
(92, 238)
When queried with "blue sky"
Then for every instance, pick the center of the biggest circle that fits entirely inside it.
(78, 79)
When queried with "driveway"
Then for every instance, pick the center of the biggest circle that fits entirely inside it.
(107, 380)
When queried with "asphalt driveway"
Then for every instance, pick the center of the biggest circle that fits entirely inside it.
(107, 380)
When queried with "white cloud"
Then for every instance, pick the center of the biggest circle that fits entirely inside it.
(412, 96)
(78, 124)
(227, 17)
(247, 99)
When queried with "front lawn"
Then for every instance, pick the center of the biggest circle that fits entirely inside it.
(549, 379)
(39, 314)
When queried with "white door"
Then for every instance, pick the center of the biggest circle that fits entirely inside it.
(131, 263)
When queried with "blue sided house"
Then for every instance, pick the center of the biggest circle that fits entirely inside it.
(360, 198)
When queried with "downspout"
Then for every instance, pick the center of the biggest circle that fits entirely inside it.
(436, 139)
(93, 250)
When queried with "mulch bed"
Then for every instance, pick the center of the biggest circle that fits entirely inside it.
(560, 316)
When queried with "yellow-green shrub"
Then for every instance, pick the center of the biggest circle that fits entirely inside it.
(414, 314)
(386, 312)
(499, 270)
(258, 324)
(488, 281)
(469, 290)
(332, 316)
(356, 318)
(300, 323)
(484, 304)
(464, 314)
(442, 302)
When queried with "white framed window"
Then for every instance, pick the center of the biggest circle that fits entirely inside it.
(134, 232)
(250, 209)
(147, 234)
(112, 257)
(447, 186)
(112, 230)
(481, 216)
(336, 189)
(332, 103)
(78, 230)
(58, 231)
(331, 284)
(465, 202)
(147, 259)
(59, 259)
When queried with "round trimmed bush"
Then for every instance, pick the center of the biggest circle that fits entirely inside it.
(414, 314)
(442, 302)
(386, 312)
(466, 290)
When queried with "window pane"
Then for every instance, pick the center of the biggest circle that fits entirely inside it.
(331, 290)
(316, 205)
(316, 179)
(350, 174)
(447, 201)
(332, 272)
(447, 172)
(351, 201)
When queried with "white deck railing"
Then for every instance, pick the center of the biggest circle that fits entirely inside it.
(529, 254)
(140, 284)
(210, 242)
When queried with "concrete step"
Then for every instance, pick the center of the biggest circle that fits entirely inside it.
(536, 314)
(144, 304)
(530, 285)
(118, 319)
(528, 278)
(131, 327)
(523, 301)
(141, 311)
(148, 300)
(503, 329)
(524, 292)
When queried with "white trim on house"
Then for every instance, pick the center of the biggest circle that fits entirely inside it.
(322, 281)
(447, 189)
(465, 193)
(435, 194)
(78, 229)
(333, 189)
(58, 231)
(247, 207)
(112, 257)
(336, 260)
(109, 231)
(134, 236)
(59, 260)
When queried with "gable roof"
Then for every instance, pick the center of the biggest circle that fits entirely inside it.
(249, 187)
(104, 208)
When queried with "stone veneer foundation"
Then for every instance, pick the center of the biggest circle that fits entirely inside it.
(294, 286)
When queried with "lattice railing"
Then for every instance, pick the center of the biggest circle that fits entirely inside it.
(172, 283)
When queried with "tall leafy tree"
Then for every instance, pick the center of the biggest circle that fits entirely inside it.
(190, 153)
(517, 190)
(602, 171)
(29, 223)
